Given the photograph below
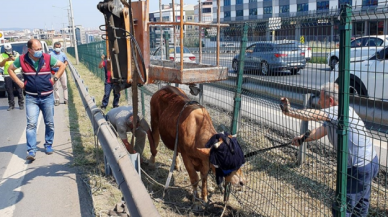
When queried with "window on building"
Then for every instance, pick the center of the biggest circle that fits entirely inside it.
(207, 3)
(323, 5)
(253, 12)
(226, 2)
(267, 10)
(302, 7)
(239, 13)
(341, 2)
(252, 1)
(369, 3)
(284, 9)
(239, 2)
(166, 18)
(206, 10)
(376, 27)
(226, 14)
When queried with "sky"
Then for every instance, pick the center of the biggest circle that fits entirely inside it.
(50, 14)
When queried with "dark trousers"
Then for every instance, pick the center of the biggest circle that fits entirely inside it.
(359, 189)
(10, 87)
(116, 96)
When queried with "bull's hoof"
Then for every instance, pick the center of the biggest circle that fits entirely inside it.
(152, 160)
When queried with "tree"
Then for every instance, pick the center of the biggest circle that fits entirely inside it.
(49, 42)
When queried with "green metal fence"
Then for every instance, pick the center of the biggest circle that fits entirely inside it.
(315, 178)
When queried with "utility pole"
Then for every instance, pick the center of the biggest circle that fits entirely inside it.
(75, 40)
(69, 26)
(64, 38)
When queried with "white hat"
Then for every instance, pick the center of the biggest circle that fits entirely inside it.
(8, 48)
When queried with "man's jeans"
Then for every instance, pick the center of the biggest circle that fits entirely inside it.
(116, 96)
(358, 190)
(35, 104)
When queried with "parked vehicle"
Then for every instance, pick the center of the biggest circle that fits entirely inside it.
(21, 47)
(187, 55)
(368, 78)
(361, 48)
(273, 56)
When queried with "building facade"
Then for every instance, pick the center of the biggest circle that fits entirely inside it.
(207, 12)
(167, 15)
(365, 20)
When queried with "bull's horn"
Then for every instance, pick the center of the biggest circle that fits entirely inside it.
(217, 144)
(204, 152)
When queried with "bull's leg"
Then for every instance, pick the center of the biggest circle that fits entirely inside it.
(204, 172)
(178, 164)
(155, 135)
(192, 174)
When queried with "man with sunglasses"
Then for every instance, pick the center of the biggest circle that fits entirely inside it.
(38, 86)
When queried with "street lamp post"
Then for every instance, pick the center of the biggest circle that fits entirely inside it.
(75, 39)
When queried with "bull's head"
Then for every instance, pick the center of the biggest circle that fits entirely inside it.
(235, 177)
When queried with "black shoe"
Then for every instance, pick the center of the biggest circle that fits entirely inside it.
(10, 108)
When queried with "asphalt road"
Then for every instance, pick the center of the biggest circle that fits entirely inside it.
(312, 76)
(49, 186)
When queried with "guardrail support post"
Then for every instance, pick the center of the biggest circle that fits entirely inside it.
(307, 101)
(237, 98)
(343, 109)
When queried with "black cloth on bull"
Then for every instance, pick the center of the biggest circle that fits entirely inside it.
(227, 158)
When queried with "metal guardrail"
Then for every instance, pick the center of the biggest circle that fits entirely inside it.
(137, 199)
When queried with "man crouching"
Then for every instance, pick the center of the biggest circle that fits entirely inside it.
(121, 119)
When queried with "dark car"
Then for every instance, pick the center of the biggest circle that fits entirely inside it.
(270, 57)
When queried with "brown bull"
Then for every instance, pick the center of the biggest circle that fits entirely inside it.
(195, 130)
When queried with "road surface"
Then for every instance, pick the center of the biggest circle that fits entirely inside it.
(49, 186)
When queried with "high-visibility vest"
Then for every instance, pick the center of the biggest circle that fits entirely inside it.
(8, 63)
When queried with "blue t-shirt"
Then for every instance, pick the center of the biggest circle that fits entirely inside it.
(59, 56)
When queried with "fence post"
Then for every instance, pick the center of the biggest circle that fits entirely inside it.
(237, 98)
(201, 94)
(307, 100)
(343, 108)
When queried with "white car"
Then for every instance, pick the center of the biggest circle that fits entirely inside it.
(368, 78)
(187, 55)
(361, 48)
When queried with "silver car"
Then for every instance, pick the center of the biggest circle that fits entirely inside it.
(270, 57)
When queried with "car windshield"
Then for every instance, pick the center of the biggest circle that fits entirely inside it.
(178, 50)
(171, 51)
(21, 48)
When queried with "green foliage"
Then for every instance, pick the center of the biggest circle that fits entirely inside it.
(318, 60)
(49, 42)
